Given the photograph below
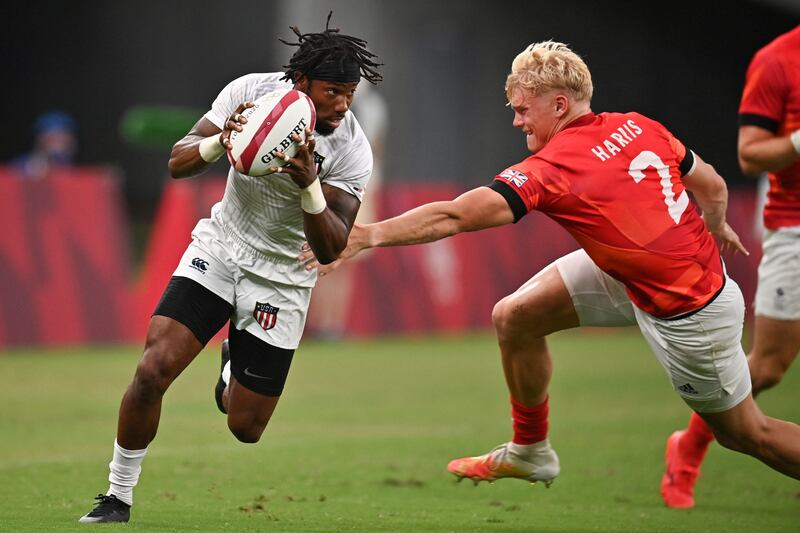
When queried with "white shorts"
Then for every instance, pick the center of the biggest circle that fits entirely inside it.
(778, 292)
(273, 312)
(599, 299)
(702, 354)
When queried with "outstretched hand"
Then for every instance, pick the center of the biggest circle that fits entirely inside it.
(729, 240)
(357, 242)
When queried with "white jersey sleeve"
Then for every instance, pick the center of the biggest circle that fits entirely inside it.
(261, 216)
(351, 164)
(243, 89)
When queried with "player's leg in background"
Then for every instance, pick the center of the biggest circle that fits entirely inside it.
(330, 304)
(775, 346)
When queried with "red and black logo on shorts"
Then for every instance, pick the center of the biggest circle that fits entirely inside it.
(266, 315)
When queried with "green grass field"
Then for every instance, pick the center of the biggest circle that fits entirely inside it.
(361, 439)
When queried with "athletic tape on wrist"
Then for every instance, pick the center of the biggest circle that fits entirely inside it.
(312, 201)
(795, 138)
(211, 149)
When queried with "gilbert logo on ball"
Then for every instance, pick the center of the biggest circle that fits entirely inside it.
(271, 122)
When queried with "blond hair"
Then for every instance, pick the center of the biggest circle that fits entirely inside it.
(550, 65)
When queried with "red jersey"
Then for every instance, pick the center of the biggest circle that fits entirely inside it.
(613, 181)
(771, 100)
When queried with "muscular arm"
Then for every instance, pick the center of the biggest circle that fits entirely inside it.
(185, 160)
(760, 150)
(474, 210)
(327, 232)
(711, 193)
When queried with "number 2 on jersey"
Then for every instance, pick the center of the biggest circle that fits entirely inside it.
(646, 159)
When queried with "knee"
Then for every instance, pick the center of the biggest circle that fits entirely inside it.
(246, 431)
(151, 381)
(162, 361)
(507, 319)
(766, 373)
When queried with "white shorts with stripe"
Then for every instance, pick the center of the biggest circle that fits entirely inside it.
(701, 354)
(274, 312)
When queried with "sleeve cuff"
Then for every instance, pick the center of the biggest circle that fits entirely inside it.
(688, 164)
(750, 119)
(514, 201)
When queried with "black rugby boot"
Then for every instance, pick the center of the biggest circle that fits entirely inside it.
(107, 509)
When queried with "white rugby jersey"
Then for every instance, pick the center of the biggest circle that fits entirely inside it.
(262, 216)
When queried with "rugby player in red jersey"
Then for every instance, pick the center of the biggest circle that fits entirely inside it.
(618, 183)
(769, 141)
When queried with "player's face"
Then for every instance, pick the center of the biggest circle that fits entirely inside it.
(331, 100)
(537, 116)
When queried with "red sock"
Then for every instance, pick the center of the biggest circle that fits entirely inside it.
(694, 443)
(530, 423)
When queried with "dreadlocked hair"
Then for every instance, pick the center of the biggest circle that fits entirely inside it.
(330, 45)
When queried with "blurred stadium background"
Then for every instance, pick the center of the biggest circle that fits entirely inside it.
(136, 75)
(85, 253)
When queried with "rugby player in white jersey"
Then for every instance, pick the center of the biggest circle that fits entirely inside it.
(241, 264)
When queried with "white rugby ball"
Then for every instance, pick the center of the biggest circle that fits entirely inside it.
(271, 122)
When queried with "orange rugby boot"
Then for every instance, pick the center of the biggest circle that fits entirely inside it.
(677, 485)
(536, 462)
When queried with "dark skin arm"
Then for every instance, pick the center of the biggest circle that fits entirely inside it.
(326, 232)
(185, 160)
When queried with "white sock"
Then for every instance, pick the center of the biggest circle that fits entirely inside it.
(226, 373)
(527, 450)
(124, 469)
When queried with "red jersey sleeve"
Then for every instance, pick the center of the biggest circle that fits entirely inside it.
(521, 186)
(764, 93)
(685, 157)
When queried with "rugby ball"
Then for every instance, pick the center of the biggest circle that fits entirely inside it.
(271, 122)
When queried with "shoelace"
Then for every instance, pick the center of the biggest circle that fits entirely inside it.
(104, 499)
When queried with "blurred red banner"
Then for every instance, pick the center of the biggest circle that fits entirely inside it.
(65, 261)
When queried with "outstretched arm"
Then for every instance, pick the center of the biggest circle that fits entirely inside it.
(711, 194)
(474, 210)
